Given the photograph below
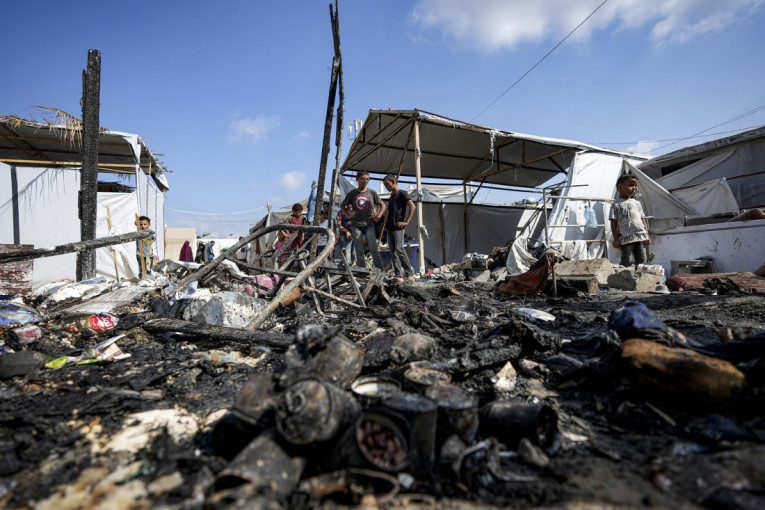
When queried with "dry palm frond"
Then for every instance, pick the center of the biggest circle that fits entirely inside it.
(66, 126)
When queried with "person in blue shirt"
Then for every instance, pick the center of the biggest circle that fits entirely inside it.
(209, 253)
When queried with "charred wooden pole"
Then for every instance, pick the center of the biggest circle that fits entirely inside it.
(327, 133)
(340, 117)
(88, 208)
(78, 247)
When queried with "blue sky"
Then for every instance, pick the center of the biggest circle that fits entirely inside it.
(234, 93)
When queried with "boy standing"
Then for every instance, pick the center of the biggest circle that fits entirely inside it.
(400, 212)
(628, 224)
(143, 252)
(361, 204)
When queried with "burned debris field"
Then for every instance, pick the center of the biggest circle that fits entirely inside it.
(441, 393)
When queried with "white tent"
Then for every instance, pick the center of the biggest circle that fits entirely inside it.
(423, 145)
(40, 184)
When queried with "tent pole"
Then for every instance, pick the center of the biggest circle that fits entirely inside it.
(443, 234)
(467, 235)
(418, 173)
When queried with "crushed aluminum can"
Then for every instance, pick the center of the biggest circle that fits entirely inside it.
(27, 334)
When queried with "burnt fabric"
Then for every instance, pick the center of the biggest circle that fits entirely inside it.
(530, 282)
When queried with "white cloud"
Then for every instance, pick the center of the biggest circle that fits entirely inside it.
(645, 147)
(292, 182)
(490, 25)
(251, 129)
(302, 135)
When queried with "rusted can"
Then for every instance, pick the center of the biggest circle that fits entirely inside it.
(419, 377)
(370, 391)
(457, 411)
(313, 410)
(263, 464)
(509, 422)
(421, 414)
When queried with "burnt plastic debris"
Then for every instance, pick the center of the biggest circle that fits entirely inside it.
(350, 487)
(457, 411)
(509, 422)
(421, 413)
(264, 466)
(16, 313)
(313, 410)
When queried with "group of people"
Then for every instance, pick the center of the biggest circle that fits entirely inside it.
(362, 211)
(360, 214)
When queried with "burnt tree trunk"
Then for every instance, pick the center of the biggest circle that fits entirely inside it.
(88, 210)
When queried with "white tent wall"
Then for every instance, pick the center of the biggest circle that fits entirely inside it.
(48, 216)
(122, 207)
(712, 197)
(47, 200)
(592, 175)
(151, 203)
(730, 162)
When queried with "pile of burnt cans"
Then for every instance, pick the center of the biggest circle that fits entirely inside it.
(317, 430)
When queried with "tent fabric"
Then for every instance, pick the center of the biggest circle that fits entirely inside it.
(457, 150)
(712, 197)
(664, 209)
(592, 176)
(737, 158)
(48, 216)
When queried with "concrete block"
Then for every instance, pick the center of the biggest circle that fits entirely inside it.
(586, 284)
(600, 268)
(629, 279)
(232, 309)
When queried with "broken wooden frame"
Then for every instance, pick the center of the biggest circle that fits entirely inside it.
(79, 246)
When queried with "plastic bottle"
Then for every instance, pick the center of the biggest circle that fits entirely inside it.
(653, 269)
(590, 220)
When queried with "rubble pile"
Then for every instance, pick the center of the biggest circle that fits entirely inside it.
(368, 393)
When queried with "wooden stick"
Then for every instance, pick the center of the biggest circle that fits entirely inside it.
(114, 255)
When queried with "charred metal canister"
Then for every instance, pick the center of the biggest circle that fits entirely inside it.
(313, 410)
(457, 411)
(339, 362)
(380, 440)
(419, 378)
(421, 413)
(263, 463)
(370, 391)
(510, 421)
(254, 399)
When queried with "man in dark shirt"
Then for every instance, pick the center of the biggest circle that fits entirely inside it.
(362, 206)
(400, 212)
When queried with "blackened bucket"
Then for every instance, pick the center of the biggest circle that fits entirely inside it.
(370, 391)
(510, 421)
(313, 410)
(421, 414)
(419, 378)
(378, 440)
(457, 411)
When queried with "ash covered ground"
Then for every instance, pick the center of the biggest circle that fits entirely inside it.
(147, 432)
